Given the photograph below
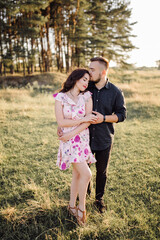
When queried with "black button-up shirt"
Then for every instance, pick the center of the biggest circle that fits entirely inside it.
(107, 101)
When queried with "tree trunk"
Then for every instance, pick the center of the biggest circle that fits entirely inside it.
(1, 68)
(32, 47)
(24, 70)
(49, 59)
(42, 49)
(32, 68)
(4, 70)
(10, 45)
(40, 65)
(1, 49)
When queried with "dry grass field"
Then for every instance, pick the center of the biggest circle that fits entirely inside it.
(34, 192)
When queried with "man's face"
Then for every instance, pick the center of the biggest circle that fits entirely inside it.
(95, 71)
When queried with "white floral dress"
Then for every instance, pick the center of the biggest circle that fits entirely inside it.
(77, 149)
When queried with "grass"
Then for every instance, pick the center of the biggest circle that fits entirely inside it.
(34, 192)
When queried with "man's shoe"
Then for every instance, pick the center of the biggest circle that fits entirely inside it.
(100, 206)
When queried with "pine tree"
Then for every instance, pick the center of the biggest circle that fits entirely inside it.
(80, 29)
(80, 37)
(110, 29)
(7, 12)
(33, 25)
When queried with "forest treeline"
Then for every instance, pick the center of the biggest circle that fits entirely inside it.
(37, 35)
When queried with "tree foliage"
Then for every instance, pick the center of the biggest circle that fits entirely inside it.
(36, 35)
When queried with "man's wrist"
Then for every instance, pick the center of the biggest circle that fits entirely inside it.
(104, 118)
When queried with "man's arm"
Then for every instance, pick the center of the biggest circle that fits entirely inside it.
(108, 118)
(119, 110)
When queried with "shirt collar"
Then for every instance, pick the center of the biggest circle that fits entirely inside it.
(107, 84)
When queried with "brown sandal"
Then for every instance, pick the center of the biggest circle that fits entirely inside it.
(81, 220)
(71, 212)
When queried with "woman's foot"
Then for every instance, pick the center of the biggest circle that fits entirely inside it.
(81, 217)
(72, 210)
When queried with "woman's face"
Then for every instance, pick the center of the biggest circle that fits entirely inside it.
(82, 83)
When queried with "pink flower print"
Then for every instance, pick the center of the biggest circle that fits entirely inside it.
(72, 141)
(79, 148)
(63, 167)
(75, 160)
(80, 112)
(86, 151)
(77, 138)
(54, 95)
(80, 153)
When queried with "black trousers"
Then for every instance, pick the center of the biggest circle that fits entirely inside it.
(102, 163)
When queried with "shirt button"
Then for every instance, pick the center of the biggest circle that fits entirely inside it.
(93, 128)
(97, 100)
(92, 137)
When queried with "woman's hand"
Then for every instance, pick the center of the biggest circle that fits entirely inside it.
(59, 132)
(90, 118)
(65, 137)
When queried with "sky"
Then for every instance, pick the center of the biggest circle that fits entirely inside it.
(147, 29)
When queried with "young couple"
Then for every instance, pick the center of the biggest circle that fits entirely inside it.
(86, 108)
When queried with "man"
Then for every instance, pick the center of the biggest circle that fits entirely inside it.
(108, 105)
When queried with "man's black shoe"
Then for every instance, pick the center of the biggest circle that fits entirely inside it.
(100, 205)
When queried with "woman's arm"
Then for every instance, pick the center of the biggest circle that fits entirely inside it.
(66, 136)
(63, 122)
(88, 109)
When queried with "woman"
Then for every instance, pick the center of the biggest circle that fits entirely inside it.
(73, 109)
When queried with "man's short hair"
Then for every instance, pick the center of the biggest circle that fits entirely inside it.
(102, 60)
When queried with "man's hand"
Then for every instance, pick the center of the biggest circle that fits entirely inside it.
(59, 132)
(90, 118)
(99, 117)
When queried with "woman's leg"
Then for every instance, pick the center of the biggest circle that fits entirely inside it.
(74, 188)
(83, 180)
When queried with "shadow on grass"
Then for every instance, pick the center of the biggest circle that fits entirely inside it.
(44, 90)
(49, 79)
(49, 224)
(18, 199)
(141, 112)
(128, 93)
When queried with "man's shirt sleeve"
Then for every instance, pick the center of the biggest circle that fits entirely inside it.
(120, 108)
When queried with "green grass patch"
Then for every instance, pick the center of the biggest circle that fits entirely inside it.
(34, 192)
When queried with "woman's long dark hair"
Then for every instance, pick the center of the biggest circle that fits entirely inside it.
(73, 78)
